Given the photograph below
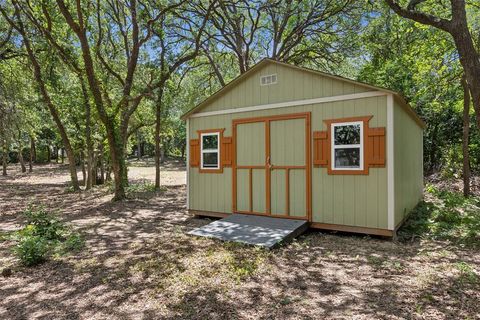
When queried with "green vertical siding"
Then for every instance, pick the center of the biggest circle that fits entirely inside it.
(259, 190)
(278, 193)
(250, 144)
(287, 146)
(292, 84)
(408, 172)
(298, 203)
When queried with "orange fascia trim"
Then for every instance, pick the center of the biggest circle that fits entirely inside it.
(365, 121)
(220, 166)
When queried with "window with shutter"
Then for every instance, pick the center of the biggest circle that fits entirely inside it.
(349, 146)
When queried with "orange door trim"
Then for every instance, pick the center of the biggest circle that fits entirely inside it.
(268, 166)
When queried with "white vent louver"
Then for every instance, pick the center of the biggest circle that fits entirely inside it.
(268, 80)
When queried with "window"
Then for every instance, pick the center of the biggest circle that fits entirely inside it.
(267, 80)
(347, 145)
(210, 150)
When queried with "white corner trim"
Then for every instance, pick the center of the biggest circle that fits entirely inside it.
(390, 164)
(352, 96)
(187, 161)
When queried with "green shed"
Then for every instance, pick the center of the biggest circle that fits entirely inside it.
(290, 142)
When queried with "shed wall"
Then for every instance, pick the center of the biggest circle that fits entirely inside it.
(408, 171)
(359, 200)
(292, 84)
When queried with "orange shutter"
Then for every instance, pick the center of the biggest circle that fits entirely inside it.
(194, 152)
(376, 147)
(226, 151)
(320, 148)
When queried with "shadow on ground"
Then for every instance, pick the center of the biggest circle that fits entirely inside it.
(139, 263)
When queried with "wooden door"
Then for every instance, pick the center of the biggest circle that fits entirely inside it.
(289, 188)
(249, 168)
(271, 166)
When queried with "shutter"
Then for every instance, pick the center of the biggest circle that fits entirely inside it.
(376, 147)
(226, 151)
(320, 148)
(194, 152)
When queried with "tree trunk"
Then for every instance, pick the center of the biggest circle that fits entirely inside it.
(139, 146)
(470, 61)
(32, 154)
(94, 169)
(158, 122)
(88, 136)
(49, 155)
(33, 148)
(84, 169)
(117, 161)
(20, 158)
(4, 158)
(62, 152)
(102, 165)
(466, 132)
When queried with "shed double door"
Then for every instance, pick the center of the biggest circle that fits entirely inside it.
(271, 167)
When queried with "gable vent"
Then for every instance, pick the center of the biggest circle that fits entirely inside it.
(268, 80)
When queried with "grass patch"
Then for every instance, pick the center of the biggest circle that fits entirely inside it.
(136, 188)
(467, 273)
(445, 215)
(139, 187)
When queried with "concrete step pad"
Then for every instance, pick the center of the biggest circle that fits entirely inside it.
(254, 230)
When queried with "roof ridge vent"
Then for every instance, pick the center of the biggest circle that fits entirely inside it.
(268, 79)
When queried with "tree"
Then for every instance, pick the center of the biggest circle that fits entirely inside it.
(314, 33)
(116, 20)
(17, 23)
(170, 32)
(465, 137)
(456, 24)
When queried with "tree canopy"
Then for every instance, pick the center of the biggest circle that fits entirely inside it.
(104, 80)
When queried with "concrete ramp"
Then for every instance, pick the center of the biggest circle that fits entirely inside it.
(254, 230)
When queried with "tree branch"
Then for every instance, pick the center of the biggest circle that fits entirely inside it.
(421, 17)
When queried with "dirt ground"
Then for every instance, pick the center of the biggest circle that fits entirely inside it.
(138, 263)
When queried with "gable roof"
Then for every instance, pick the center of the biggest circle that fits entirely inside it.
(266, 61)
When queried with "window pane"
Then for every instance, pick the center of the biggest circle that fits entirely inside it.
(349, 134)
(210, 142)
(210, 160)
(347, 158)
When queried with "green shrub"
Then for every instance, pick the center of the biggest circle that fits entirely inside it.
(32, 250)
(74, 242)
(445, 216)
(45, 224)
(44, 235)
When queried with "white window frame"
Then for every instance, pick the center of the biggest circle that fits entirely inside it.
(346, 146)
(202, 151)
